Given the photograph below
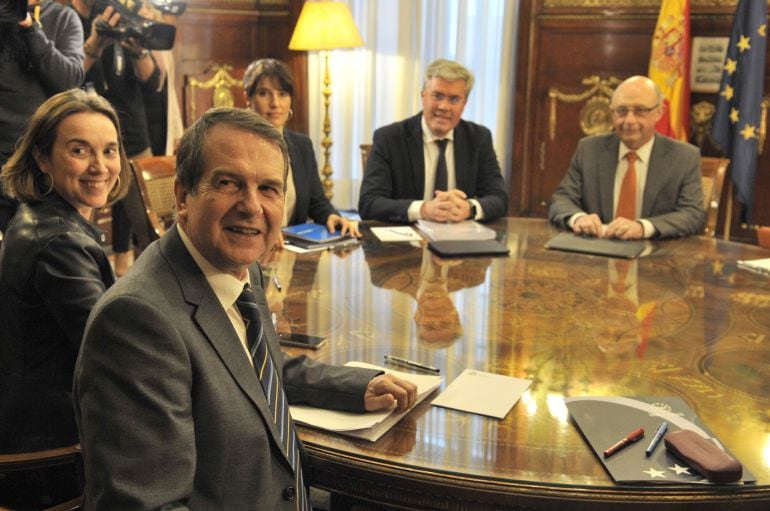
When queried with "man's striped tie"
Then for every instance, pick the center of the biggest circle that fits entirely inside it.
(273, 388)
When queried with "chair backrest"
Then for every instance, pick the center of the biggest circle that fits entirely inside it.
(217, 86)
(155, 175)
(41, 460)
(763, 237)
(713, 173)
(365, 150)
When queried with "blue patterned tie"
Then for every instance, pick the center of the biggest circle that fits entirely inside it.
(273, 388)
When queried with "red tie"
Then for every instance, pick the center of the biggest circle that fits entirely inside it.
(627, 199)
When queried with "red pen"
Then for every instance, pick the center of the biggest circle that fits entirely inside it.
(628, 440)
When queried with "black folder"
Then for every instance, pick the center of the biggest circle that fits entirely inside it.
(572, 242)
(464, 248)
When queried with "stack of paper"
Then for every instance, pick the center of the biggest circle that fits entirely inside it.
(368, 426)
(457, 231)
(760, 266)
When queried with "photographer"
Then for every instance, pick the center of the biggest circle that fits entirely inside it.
(40, 56)
(121, 71)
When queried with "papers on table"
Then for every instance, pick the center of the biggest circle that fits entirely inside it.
(396, 233)
(760, 266)
(465, 230)
(368, 426)
(483, 393)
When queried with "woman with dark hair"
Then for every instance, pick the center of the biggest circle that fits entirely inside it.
(268, 87)
(69, 162)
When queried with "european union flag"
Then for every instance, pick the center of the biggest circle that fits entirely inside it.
(736, 123)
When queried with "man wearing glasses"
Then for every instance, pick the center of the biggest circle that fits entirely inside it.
(632, 183)
(434, 166)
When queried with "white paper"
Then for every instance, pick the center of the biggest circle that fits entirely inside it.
(368, 426)
(396, 233)
(483, 393)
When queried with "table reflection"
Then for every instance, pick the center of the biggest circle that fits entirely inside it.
(681, 321)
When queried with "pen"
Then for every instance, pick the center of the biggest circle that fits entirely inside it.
(659, 433)
(274, 319)
(628, 440)
(411, 364)
(277, 283)
(400, 233)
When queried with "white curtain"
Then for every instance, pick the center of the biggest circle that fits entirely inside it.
(381, 82)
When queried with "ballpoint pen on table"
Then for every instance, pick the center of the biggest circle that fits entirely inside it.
(277, 283)
(627, 440)
(411, 364)
(659, 433)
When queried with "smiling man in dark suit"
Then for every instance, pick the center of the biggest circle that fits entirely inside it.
(666, 195)
(434, 166)
(180, 385)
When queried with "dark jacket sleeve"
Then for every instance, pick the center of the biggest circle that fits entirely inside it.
(69, 277)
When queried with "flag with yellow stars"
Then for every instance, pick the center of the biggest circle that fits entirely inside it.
(737, 118)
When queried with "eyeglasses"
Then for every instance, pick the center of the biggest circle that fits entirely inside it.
(452, 100)
(638, 111)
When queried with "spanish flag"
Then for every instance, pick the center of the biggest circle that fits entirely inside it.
(670, 67)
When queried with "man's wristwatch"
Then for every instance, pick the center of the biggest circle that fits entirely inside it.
(473, 210)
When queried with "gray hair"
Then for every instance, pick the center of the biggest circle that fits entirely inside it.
(449, 70)
(646, 81)
(189, 156)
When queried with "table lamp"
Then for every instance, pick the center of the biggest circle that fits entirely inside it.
(325, 26)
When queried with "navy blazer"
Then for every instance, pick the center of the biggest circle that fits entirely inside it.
(311, 200)
(395, 171)
(673, 193)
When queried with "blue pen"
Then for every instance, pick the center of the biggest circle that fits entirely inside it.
(659, 433)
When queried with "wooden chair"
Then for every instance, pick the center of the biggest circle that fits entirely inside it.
(366, 149)
(155, 175)
(217, 86)
(713, 173)
(30, 461)
(763, 237)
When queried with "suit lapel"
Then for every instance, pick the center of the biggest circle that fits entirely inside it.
(608, 166)
(657, 170)
(462, 143)
(416, 157)
(215, 325)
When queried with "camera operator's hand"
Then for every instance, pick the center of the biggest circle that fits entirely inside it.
(142, 60)
(96, 42)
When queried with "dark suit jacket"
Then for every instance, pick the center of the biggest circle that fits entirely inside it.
(673, 194)
(170, 412)
(311, 200)
(395, 171)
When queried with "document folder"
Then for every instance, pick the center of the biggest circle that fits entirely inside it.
(572, 242)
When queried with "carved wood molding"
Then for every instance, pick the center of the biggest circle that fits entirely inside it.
(595, 116)
(221, 82)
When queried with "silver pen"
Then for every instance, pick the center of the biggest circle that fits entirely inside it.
(411, 364)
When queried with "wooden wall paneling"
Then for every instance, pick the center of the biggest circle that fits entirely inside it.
(235, 33)
(563, 42)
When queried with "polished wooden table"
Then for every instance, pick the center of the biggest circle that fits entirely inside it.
(681, 321)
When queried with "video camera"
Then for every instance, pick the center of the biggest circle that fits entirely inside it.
(151, 35)
(12, 10)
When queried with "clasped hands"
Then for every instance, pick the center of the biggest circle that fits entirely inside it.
(619, 228)
(449, 206)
